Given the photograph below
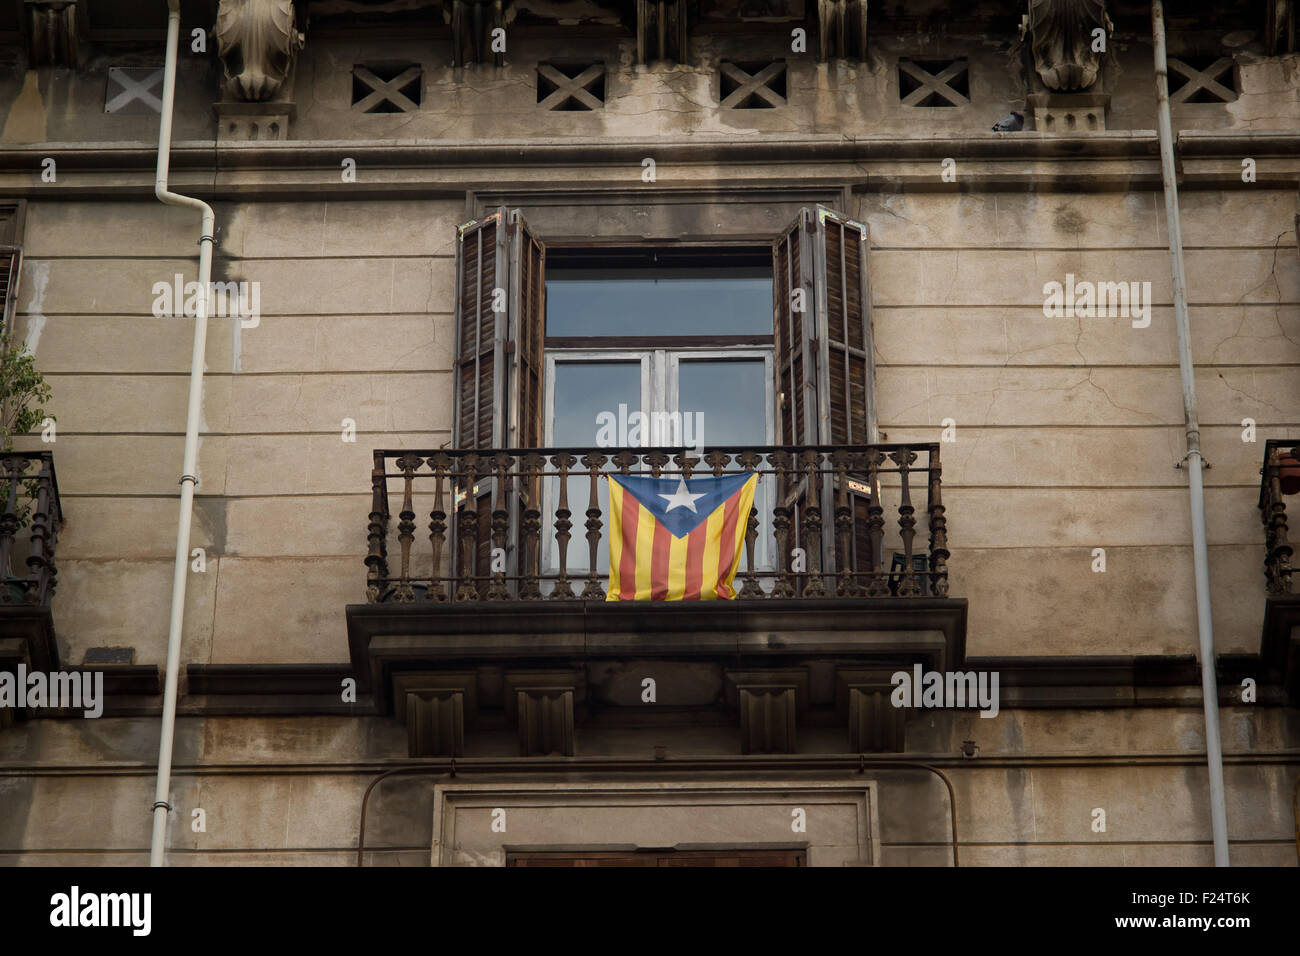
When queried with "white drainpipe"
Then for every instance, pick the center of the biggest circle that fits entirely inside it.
(161, 804)
(1200, 559)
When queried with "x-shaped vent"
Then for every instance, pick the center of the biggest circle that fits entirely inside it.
(131, 85)
(930, 83)
(394, 88)
(751, 86)
(1189, 83)
(571, 88)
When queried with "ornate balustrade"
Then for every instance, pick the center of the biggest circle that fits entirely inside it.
(1279, 472)
(828, 521)
(30, 522)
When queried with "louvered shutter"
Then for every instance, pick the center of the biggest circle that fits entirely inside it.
(527, 320)
(480, 334)
(792, 290)
(500, 313)
(824, 363)
(11, 262)
(823, 353)
(843, 330)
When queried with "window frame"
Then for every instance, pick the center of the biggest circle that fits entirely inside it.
(659, 393)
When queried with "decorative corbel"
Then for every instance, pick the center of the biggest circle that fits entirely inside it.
(1062, 41)
(51, 32)
(257, 41)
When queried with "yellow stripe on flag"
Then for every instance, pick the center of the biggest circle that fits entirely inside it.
(737, 543)
(713, 539)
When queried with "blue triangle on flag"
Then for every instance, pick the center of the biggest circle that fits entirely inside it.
(682, 504)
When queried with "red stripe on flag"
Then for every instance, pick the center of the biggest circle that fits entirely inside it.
(727, 546)
(659, 563)
(695, 543)
(627, 560)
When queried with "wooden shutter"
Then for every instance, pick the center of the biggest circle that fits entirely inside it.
(792, 294)
(527, 320)
(843, 330)
(498, 368)
(824, 365)
(11, 264)
(479, 370)
(500, 312)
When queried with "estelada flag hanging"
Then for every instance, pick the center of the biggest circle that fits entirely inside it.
(673, 539)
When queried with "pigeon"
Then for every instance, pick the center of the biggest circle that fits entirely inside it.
(1011, 123)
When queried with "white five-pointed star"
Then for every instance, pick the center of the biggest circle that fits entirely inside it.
(681, 498)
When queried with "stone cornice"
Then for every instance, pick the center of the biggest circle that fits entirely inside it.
(1116, 160)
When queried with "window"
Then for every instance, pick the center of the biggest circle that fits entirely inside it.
(12, 214)
(686, 346)
(667, 348)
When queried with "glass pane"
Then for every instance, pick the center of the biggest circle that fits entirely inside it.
(728, 400)
(662, 301)
(584, 392)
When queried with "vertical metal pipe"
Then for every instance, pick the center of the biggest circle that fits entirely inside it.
(1200, 559)
(161, 805)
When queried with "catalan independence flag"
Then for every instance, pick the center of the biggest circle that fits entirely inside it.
(676, 539)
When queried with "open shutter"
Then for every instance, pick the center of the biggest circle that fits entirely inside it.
(479, 371)
(792, 293)
(824, 362)
(11, 262)
(824, 365)
(527, 309)
(500, 313)
(843, 330)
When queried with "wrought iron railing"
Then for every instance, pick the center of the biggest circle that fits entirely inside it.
(500, 523)
(1280, 478)
(30, 522)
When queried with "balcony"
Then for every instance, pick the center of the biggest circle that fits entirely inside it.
(828, 502)
(1280, 646)
(503, 612)
(29, 532)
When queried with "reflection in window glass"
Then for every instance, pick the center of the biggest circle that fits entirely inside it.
(660, 301)
(582, 391)
(731, 396)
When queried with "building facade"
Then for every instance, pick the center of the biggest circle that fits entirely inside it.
(470, 259)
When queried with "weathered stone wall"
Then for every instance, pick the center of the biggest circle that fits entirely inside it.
(288, 791)
(1068, 429)
(1067, 434)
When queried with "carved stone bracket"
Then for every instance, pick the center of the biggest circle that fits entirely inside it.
(842, 30)
(242, 122)
(257, 41)
(769, 702)
(1069, 112)
(435, 709)
(542, 704)
(51, 32)
(1062, 43)
(862, 698)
